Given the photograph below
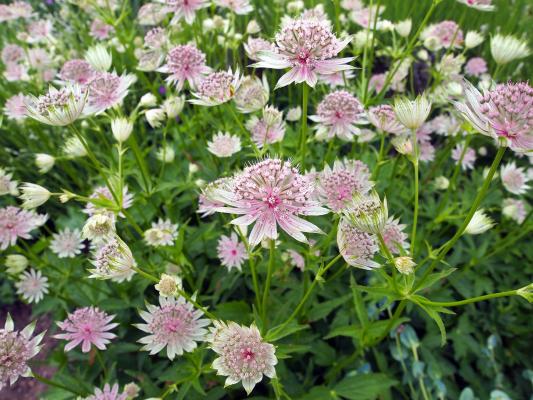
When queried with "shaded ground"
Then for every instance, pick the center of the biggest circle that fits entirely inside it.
(27, 388)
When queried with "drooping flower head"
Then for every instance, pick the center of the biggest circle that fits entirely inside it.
(504, 113)
(268, 129)
(231, 251)
(32, 286)
(162, 233)
(103, 193)
(367, 212)
(479, 223)
(252, 94)
(243, 356)
(224, 144)
(217, 88)
(113, 260)
(481, 5)
(338, 185)
(109, 393)
(59, 107)
(67, 243)
(356, 247)
(15, 223)
(88, 326)
(270, 193)
(185, 63)
(185, 9)
(77, 71)
(384, 119)
(337, 115)
(107, 89)
(505, 49)
(307, 47)
(514, 178)
(16, 349)
(174, 325)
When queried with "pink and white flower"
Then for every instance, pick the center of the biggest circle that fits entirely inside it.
(162, 233)
(106, 90)
(113, 260)
(514, 209)
(224, 145)
(109, 393)
(12, 53)
(103, 193)
(476, 67)
(256, 45)
(239, 7)
(446, 34)
(15, 107)
(384, 118)
(185, 9)
(393, 235)
(100, 30)
(87, 326)
(514, 179)
(32, 286)
(185, 63)
(356, 247)
(231, 252)
(77, 71)
(17, 223)
(252, 94)
(469, 156)
(268, 129)
(67, 243)
(217, 88)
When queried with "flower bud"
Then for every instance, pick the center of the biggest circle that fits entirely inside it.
(155, 116)
(98, 227)
(168, 285)
(473, 39)
(405, 265)
(404, 27)
(121, 128)
(412, 114)
(294, 114)
(44, 162)
(441, 183)
(33, 195)
(479, 223)
(148, 100)
(173, 106)
(15, 264)
(99, 58)
(253, 27)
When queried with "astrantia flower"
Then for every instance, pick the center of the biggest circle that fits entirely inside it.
(151, 14)
(514, 178)
(505, 49)
(99, 58)
(268, 129)
(481, 5)
(412, 114)
(109, 393)
(15, 107)
(337, 115)
(476, 66)
(252, 94)
(44, 162)
(185, 9)
(33, 195)
(514, 209)
(100, 30)
(162, 233)
(103, 193)
(337, 185)
(224, 144)
(113, 260)
(57, 107)
(444, 33)
(384, 119)
(156, 38)
(479, 223)
(356, 247)
(185, 63)
(12, 53)
(217, 88)
(505, 112)
(243, 355)
(239, 7)
(256, 45)
(106, 90)
(270, 193)
(88, 326)
(336, 79)
(15, 223)
(99, 227)
(174, 324)
(393, 235)
(67, 243)
(77, 71)
(367, 213)
(16, 349)
(207, 205)
(231, 251)
(7, 184)
(469, 156)
(296, 259)
(32, 286)
(168, 285)
(405, 265)
(307, 47)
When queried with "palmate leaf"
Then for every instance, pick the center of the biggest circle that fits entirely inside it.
(433, 312)
(435, 277)
(364, 387)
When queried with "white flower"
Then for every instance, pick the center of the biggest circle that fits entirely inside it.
(441, 182)
(367, 212)
(405, 265)
(32, 286)
(67, 243)
(224, 144)
(121, 128)
(162, 233)
(253, 27)
(505, 49)
(473, 39)
(148, 100)
(73, 147)
(44, 162)
(173, 106)
(168, 285)
(7, 186)
(479, 223)
(33, 195)
(99, 58)
(113, 260)
(166, 154)
(514, 179)
(99, 227)
(155, 116)
(412, 114)
(294, 114)
(404, 27)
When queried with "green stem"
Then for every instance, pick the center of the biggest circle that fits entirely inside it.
(375, 174)
(469, 301)
(397, 314)
(415, 211)
(49, 382)
(140, 161)
(266, 289)
(390, 259)
(303, 132)
(251, 263)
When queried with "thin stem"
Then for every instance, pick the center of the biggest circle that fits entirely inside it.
(420, 377)
(415, 211)
(50, 382)
(469, 301)
(390, 259)
(397, 314)
(266, 289)
(251, 263)
(375, 174)
(303, 132)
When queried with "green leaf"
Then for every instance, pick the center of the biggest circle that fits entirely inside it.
(322, 310)
(435, 277)
(364, 387)
(433, 313)
(275, 334)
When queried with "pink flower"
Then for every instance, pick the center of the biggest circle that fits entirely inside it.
(307, 47)
(231, 252)
(365, 17)
(67, 243)
(481, 5)
(15, 223)
(224, 144)
(77, 71)
(393, 236)
(156, 38)
(174, 324)
(255, 45)
(15, 108)
(337, 115)
(514, 179)
(88, 326)
(377, 82)
(100, 30)
(296, 259)
(39, 31)
(504, 113)
(109, 393)
(384, 118)
(15, 10)
(270, 193)
(217, 88)
(32, 286)
(206, 203)
(338, 185)
(12, 53)
(242, 354)
(468, 159)
(444, 32)
(106, 90)
(426, 149)
(185, 63)
(514, 209)
(268, 129)
(103, 193)
(337, 79)
(356, 247)
(185, 9)
(476, 67)
(16, 72)
(239, 7)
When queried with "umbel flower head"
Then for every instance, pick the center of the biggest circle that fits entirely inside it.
(174, 324)
(384, 119)
(412, 114)
(505, 49)
(270, 193)
(505, 113)
(356, 247)
(16, 349)
(252, 94)
(231, 251)
(32, 286)
(67, 243)
(88, 326)
(243, 356)
(185, 63)
(367, 213)
(59, 107)
(109, 393)
(15, 223)
(337, 115)
(162, 233)
(308, 48)
(217, 88)
(113, 260)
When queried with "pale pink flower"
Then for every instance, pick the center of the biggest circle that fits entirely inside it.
(445, 125)
(151, 14)
(444, 32)
(239, 7)
(365, 17)
(16, 349)
(156, 38)
(217, 88)
(268, 129)
(469, 157)
(39, 31)
(356, 247)
(242, 354)
(384, 118)
(32, 286)
(15, 10)
(185, 9)
(113, 260)
(337, 115)
(504, 113)
(103, 193)
(270, 193)
(16, 72)
(481, 5)
(252, 94)
(308, 48)
(12, 53)
(88, 326)
(185, 63)
(162, 233)
(77, 71)
(231, 251)
(337, 79)
(109, 393)
(337, 185)
(514, 209)
(39, 59)
(426, 149)
(393, 236)
(206, 204)
(476, 66)
(377, 82)
(174, 324)
(296, 259)
(57, 107)
(15, 108)
(224, 144)
(100, 30)
(255, 45)
(67, 243)
(106, 90)
(17, 223)
(352, 5)
(514, 178)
